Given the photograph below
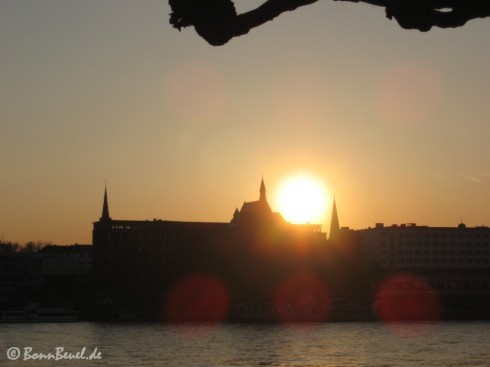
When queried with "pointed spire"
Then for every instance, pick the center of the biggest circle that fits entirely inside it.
(334, 222)
(262, 191)
(105, 207)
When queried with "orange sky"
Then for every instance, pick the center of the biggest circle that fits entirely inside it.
(394, 122)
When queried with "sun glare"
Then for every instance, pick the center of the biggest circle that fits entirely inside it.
(302, 199)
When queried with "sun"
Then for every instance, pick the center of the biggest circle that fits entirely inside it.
(302, 199)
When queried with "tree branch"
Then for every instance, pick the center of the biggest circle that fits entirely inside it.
(217, 20)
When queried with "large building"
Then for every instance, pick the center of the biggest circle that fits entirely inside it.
(50, 276)
(245, 265)
(138, 263)
(66, 260)
(419, 271)
(445, 271)
(408, 246)
(454, 260)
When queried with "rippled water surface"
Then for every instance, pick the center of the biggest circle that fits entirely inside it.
(335, 344)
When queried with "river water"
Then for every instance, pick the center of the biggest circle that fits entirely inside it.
(329, 344)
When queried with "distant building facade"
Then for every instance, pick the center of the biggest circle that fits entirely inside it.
(66, 260)
(50, 275)
(142, 265)
(452, 264)
(408, 246)
(140, 262)
(20, 277)
(411, 264)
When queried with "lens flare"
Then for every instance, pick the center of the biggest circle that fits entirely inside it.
(408, 94)
(301, 97)
(198, 297)
(302, 297)
(196, 94)
(406, 298)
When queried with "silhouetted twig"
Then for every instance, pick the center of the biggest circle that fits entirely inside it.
(217, 20)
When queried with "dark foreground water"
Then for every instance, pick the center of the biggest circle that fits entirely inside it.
(330, 344)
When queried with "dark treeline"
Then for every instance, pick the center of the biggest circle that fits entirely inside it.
(30, 246)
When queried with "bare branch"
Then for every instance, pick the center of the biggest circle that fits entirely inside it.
(217, 20)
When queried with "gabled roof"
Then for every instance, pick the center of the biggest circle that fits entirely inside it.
(259, 210)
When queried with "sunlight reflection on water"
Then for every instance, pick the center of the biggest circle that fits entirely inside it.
(328, 344)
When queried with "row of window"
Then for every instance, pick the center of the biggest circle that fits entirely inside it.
(142, 237)
(431, 244)
(426, 252)
(436, 261)
(444, 285)
(118, 247)
(459, 235)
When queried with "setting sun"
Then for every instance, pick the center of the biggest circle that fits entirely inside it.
(302, 199)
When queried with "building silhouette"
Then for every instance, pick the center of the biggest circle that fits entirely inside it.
(451, 262)
(334, 223)
(164, 269)
(139, 263)
(49, 276)
(409, 246)
(425, 272)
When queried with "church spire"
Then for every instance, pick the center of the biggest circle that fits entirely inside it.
(262, 191)
(105, 207)
(334, 222)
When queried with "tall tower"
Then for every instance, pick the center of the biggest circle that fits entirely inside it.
(105, 208)
(263, 196)
(334, 223)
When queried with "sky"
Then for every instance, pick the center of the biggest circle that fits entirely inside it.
(394, 123)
